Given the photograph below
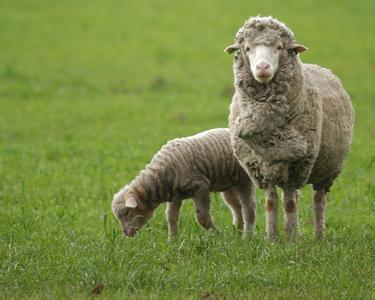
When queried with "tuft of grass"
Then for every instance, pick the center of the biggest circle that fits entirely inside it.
(90, 91)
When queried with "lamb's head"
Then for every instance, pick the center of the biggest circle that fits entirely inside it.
(130, 211)
(265, 43)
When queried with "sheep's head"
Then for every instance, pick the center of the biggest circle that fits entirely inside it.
(132, 213)
(265, 43)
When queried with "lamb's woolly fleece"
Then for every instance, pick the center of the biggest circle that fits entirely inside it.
(185, 167)
(296, 129)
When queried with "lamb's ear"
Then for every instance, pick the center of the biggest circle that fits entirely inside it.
(298, 48)
(131, 202)
(230, 49)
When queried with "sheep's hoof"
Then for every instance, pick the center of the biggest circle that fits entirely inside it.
(319, 236)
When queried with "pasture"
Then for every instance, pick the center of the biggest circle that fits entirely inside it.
(89, 91)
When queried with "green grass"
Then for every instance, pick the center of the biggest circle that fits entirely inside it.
(90, 91)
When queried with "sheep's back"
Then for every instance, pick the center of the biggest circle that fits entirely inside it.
(337, 127)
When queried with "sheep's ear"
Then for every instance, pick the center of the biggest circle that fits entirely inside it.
(230, 49)
(298, 48)
(131, 202)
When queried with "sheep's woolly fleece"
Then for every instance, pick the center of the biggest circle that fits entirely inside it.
(296, 129)
(270, 28)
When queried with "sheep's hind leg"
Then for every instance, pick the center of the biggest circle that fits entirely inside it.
(271, 207)
(202, 209)
(172, 213)
(290, 199)
(319, 202)
(230, 197)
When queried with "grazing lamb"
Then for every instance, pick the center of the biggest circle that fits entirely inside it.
(183, 168)
(291, 123)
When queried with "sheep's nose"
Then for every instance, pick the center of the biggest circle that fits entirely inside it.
(263, 67)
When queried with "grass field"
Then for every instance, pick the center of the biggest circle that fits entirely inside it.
(90, 91)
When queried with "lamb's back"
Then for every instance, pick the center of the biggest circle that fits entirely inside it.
(204, 159)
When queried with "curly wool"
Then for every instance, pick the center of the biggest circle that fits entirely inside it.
(273, 28)
(185, 166)
(282, 131)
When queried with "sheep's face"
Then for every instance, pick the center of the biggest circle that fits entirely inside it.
(131, 213)
(264, 60)
(266, 44)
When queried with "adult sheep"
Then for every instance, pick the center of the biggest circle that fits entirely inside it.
(291, 123)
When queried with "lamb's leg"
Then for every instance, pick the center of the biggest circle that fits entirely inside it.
(290, 198)
(172, 213)
(202, 209)
(231, 199)
(271, 207)
(246, 192)
(319, 202)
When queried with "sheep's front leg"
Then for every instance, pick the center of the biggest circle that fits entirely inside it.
(290, 198)
(202, 209)
(319, 202)
(271, 207)
(172, 213)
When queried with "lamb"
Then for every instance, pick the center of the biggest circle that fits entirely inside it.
(183, 168)
(291, 123)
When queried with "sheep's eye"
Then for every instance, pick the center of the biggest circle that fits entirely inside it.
(247, 49)
(279, 47)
